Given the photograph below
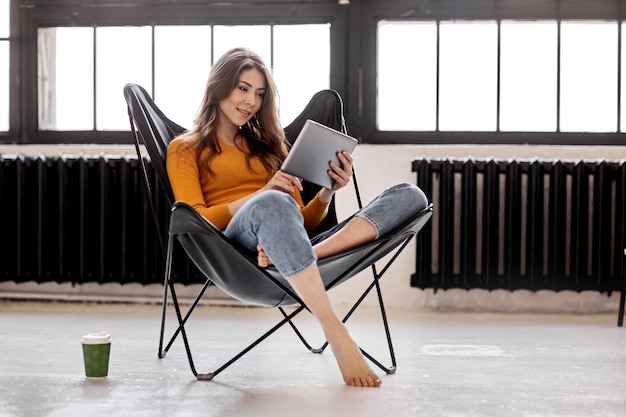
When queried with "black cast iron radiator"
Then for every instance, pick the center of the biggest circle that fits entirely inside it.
(522, 224)
(81, 219)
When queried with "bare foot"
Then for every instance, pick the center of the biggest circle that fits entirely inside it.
(355, 370)
(262, 259)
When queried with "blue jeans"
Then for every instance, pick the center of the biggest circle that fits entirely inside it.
(273, 220)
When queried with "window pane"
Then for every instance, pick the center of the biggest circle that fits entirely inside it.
(4, 86)
(407, 71)
(256, 38)
(65, 72)
(468, 76)
(588, 77)
(123, 55)
(301, 65)
(528, 76)
(179, 87)
(4, 19)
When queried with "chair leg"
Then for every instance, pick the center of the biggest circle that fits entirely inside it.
(620, 314)
(181, 327)
(300, 336)
(161, 352)
(168, 284)
(622, 299)
(280, 324)
(383, 313)
(187, 315)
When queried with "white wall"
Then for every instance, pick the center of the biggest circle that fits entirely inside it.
(377, 167)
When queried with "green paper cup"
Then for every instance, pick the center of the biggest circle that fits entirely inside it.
(96, 350)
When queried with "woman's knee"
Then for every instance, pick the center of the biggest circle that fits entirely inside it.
(410, 195)
(273, 205)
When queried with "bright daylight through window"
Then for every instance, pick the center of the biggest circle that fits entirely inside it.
(528, 76)
(469, 84)
(589, 77)
(73, 98)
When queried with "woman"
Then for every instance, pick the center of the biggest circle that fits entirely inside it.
(227, 168)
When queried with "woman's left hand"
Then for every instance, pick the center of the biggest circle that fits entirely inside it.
(340, 174)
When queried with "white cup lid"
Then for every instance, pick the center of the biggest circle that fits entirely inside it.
(96, 338)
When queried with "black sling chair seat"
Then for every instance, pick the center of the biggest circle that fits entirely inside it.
(229, 268)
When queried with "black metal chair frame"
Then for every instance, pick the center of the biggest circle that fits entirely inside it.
(622, 299)
(224, 261)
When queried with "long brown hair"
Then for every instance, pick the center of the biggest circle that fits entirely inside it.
(263, 134)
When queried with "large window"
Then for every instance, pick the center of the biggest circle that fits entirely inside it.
(419, 71)
(507, 76)
(82, 70)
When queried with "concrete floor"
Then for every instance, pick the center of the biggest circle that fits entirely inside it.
(449, 364)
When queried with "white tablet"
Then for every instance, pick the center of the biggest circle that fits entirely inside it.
(314, 148)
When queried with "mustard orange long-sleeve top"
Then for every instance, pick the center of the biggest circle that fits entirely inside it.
(232, 180)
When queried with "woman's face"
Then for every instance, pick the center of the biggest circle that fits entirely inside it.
(245, 100)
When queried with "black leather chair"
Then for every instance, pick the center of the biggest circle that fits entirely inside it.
(233, 271)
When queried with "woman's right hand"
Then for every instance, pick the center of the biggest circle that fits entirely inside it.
(284, 182)
(281, 181)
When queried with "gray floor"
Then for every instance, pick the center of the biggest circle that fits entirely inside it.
(449, 364)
